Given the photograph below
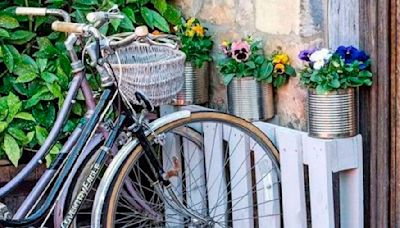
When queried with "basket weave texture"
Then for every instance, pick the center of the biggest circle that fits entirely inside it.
(156, 71)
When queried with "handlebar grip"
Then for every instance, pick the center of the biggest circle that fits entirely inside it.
(68, 27)
(31, 11)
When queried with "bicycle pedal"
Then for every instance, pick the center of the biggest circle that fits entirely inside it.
(5, 213)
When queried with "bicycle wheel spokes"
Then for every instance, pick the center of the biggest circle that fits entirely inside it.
(220, 174)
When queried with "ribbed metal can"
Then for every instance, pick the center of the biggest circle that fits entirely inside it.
(195, 87)
(332, 115)
(250, 100)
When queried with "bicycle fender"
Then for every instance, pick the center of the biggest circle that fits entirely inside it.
(118, 160)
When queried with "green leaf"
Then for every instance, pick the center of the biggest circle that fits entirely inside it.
(130, 14)
(86, 2)
(173, 15)
(41, 134)
(259, 60)
(45, 116)
(3, 108)
(251, 64)
(77, 109)
(160, 5)
(266, 70)
(147, 16)
(7, 57)
(290, 70)
(14, 106)
(25, 73)
(12, 149)
(335, 83)
(42, 64)
(21, 37)
(3, 126)
(4, 33)
(48, 77)
(55, 89)
(160, 22)
(36, 98)
(228, 78)
(25, 116)
(8, 22)
(320, 89)
(29, 137)
(126, 23)
(115, 23)
(17, 134)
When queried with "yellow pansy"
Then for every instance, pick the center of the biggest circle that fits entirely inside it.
(225, 43)
(190, 32)
(199, 30)
(281, 58)
(190, 22)
(279, 68)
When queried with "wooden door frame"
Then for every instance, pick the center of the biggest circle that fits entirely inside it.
(379, 113)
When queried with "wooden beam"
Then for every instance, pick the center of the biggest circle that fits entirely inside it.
(375, 111)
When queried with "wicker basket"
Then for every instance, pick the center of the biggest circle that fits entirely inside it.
(156, 71)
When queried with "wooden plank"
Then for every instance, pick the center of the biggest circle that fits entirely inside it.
(195, 177)
(320, 175)
(240, 180)
(215, 162)
(172, 151)
(292, 178)
(395, 114)
(267, 185)
(351, 191)
(267, 181)
(375, 111)
(343, 23)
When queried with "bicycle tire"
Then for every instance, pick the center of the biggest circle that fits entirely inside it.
(246, 130)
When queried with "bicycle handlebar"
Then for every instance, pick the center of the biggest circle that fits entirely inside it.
(31, 11)
(39, 11)
(68, 27)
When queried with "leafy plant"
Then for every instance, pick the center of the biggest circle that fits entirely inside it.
(156, 14)
(196, 44)
(36, 70)
(326, 71)
(243, 58)
(282, 69)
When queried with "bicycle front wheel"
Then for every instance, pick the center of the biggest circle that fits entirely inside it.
(224, 172)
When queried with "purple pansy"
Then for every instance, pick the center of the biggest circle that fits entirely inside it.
(305, 54)
(351, 54)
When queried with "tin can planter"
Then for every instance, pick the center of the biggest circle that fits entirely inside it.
(250, 100)
(332, 115)
(195, 87)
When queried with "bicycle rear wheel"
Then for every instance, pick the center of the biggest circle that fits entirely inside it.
(224, 172)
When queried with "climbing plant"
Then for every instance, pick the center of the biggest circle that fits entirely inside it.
(35, 70)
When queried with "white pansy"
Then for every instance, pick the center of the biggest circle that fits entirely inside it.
(319, 57)
(319, 64)
(323, 54)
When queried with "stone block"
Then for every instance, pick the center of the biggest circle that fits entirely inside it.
(278, 16)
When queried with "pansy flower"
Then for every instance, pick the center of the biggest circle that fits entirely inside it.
(349, 54)
(305, 54)
(240, 51)
(280, 58)
(199, 30)
(279, 68)
(225, 48)
(320, 57)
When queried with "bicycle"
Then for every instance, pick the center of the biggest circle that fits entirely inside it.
(161, 173)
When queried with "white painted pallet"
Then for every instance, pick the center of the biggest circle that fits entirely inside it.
(323, 158)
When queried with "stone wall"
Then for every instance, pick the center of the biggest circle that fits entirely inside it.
(290, 25)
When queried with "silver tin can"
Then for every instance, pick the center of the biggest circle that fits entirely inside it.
(195, 87)
(250, 100)
(332, 115)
